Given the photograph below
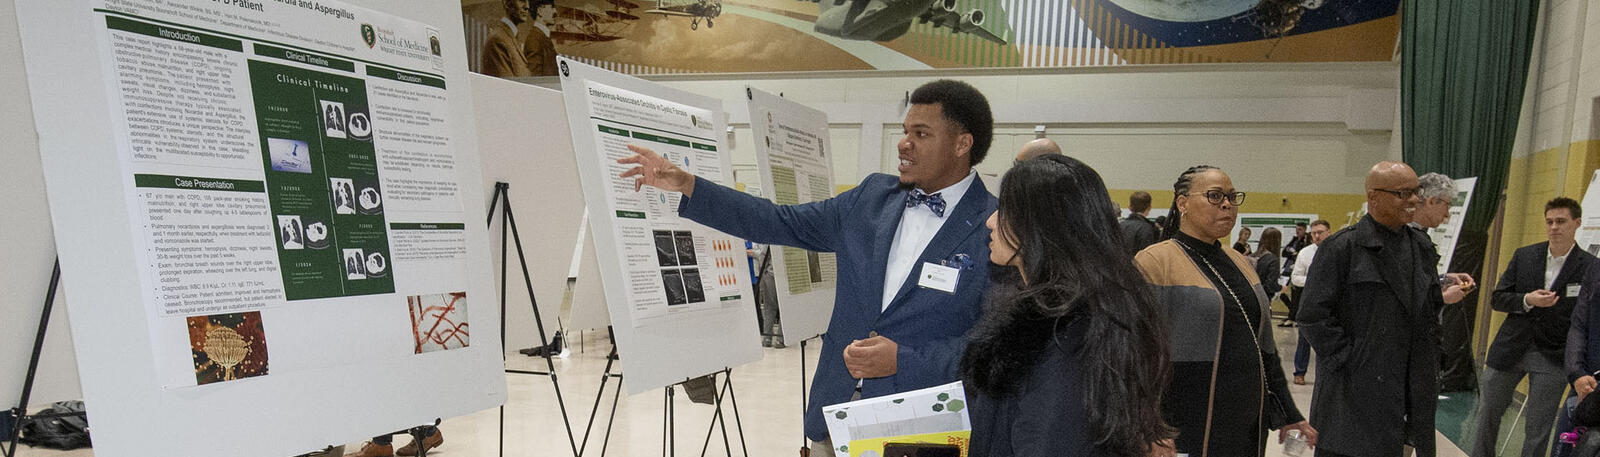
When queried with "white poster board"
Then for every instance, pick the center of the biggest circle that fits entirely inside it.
(678, 292)
(30, 246)
(1259, 222)
(251, 187)
(588, 296)
(1588, 236)
(792, 155)
(1445, 235)
(523, 141)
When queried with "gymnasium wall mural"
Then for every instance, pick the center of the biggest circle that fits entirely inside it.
(700, 36)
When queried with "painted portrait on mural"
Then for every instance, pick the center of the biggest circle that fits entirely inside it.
(696, 36)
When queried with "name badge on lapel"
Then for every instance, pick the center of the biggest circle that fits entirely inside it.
(939, 277)
(1572, 290)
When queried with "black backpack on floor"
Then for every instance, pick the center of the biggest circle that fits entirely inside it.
(70, 431)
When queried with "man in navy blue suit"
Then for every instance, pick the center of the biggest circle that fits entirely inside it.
(912, 251)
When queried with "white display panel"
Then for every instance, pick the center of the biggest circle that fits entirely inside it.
(523, 141)
(1259, 222)
(678, 292)
(1588, 235)
(31, 247)
(588, 295)
(793, 156)
(1445, 235)
(268, 197)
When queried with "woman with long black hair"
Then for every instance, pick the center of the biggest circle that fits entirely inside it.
(1227, 386)
(1074, 361)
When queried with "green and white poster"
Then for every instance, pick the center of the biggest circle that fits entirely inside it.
(262, 195)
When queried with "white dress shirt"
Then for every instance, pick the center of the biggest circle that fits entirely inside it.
(1302, 265)
(1552, 268)
(917, 227)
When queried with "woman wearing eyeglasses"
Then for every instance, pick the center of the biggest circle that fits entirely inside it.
(1072, 362)
(1227, 387)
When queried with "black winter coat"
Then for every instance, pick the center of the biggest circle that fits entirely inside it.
(1377, 362)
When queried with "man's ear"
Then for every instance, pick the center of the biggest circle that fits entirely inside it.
(963, 144)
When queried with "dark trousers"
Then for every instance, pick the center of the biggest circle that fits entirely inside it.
(1302, 357)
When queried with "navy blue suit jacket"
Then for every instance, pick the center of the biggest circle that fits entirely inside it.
(859, 225)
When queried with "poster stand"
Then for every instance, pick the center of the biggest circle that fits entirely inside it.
(508, 226)
(718, 418)
(668, 414)
(616, 394)
(805, 442)
(19, 414)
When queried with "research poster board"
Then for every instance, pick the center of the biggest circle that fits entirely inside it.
(271, 202)
(524, 142)
(678, 292)
(1445, 235)
(1589, 234)
(588, 296)
(792, 155)
(30, 247)
(1259, 222)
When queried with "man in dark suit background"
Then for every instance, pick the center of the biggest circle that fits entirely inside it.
(1137, 230)
(1368, 312)
(1538, 292)
(912, 251)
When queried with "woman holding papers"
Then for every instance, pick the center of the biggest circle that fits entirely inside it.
(1074, 361)
(1227, 387)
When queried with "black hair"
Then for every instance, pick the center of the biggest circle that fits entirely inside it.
(1564, 202)
(1056, 210)
(965, 106)
(1180, 188)
(1139, 202)
(535, 4)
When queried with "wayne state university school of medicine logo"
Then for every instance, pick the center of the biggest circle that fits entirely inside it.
(369, 35)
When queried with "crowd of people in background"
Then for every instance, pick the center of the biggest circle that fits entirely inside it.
(1081, 334)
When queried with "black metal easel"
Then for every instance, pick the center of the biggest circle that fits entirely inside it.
(19, 414)
(805, 441)
(508, 225)
(615, 395)
(719, 418)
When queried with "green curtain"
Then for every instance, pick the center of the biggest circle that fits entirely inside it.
(1463, 67)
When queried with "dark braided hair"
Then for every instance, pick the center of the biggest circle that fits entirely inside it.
(1181, 188)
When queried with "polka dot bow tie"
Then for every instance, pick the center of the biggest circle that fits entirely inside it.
(935, 202)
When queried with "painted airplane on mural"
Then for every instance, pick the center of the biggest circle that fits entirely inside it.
(589, 24)
(885, 20)
(695, 10)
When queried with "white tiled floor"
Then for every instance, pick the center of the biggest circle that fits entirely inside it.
(768, 393)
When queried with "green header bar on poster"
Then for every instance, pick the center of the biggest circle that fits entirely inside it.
(660, 139)
(705, 147)
(613, 130)
(305, 58)
(404, 77)
(630, 214)
(117, 23)
(1272, 220)
(427, 226)
(731, 298)
(197, 183)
